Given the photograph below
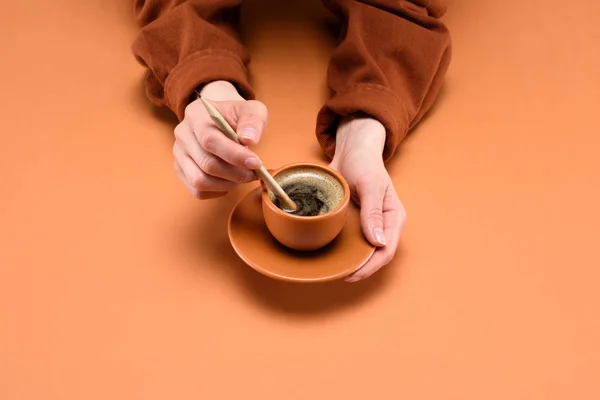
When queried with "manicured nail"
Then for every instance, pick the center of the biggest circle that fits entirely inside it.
(353, 279)
(253, 163)
(248, 134)
(379, 236)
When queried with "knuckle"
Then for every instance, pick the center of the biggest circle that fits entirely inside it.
(208, 164)
(179, 132)
(375, 214)
(176, 150)
(233, 157)
(208, 142)
(401, 208)
(388, 259)
(402, 212)
(187, 112)
(191, 110)
(198, 181)
(245, 176)
(255, 120)
(258, 107)
(252, 120)
(255, 114)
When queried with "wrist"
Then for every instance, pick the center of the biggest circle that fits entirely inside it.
(220, 91)
(360, 133)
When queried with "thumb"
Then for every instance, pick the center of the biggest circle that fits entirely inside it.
(371, 214)
(251, 121)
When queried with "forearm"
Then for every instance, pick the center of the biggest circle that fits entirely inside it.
(389, 65)
(187, 44)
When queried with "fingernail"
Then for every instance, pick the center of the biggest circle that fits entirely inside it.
(353, 279)
(248, 134)
(253, 163)
(379, 236)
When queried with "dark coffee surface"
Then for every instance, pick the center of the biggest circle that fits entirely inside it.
(314, 191)
(311, 200)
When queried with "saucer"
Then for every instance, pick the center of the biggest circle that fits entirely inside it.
(255, 245)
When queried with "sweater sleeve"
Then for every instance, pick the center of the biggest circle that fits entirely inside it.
(389, 64)
(186, 44)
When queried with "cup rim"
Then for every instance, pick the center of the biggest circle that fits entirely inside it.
(338, 209)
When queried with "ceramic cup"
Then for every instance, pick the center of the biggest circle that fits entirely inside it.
(306, 233)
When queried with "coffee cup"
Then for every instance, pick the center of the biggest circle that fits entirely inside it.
(322, 196)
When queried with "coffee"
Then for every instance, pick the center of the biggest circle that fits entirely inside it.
(309, 199)
(314, 191)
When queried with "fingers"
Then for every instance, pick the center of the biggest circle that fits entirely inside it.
(252, 119)
(195, 192)
(371, 211)
(183, 179)
(207, 161)
(380, 258)
(214, 166)
(248, 118)
(394, 219)
(197, 179)
(215, 142)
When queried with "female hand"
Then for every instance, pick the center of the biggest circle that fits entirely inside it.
(358, 157)
(208, 162)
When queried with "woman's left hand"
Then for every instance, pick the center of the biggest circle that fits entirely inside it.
(358, 157)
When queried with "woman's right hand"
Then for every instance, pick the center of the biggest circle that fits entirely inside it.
(208, 162)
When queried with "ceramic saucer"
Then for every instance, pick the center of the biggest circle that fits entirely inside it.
(255, 245)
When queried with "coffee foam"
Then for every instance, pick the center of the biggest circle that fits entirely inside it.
(318, 178)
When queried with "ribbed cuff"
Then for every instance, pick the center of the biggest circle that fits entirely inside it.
(376, 101)
(201, 68)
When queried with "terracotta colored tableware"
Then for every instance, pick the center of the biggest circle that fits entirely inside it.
(255, 245)
(307, 233)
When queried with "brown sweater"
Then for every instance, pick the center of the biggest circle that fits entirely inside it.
(389, 63)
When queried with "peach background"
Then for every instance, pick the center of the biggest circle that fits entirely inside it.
(116, 284)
